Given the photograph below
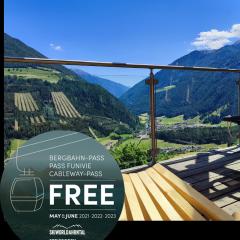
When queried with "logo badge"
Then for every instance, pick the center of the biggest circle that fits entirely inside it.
(61, 185)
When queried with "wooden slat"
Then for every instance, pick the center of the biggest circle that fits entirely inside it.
(201, 157)
(199, 161)
(131, 200)
(212, 176)
(204, 185)
(200, 202)
(165, 208)
(221, 190)
(184, 209)
(222, 169)
(169, 164)
(226, 200)
(236, 215)
(232, 208)
(123, 216)
(149, 210)
(208, 166)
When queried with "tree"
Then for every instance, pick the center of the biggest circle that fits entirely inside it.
(130, 155)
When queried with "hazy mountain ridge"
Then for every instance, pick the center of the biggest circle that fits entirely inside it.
(114, 88)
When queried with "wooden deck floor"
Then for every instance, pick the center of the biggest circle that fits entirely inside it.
(216, 175)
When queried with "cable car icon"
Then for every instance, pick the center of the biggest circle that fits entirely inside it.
(27, 194)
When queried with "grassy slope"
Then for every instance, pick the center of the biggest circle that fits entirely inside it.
(49, 75)
(14, 144)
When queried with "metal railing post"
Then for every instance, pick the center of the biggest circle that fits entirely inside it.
(238, 110)
(238, 89)
(152, 82)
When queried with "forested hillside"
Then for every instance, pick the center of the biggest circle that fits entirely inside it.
(39, 98)
(210, 95)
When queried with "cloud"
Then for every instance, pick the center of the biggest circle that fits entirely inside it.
(55, 47)
(215, 39)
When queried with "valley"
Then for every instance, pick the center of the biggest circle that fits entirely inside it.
(41, 98)
(174, 139)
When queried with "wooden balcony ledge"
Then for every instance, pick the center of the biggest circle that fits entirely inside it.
(156, 193)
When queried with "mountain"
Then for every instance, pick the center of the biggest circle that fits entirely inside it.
(208, 94)
(16, 48)
(116, 89)
(99, 109)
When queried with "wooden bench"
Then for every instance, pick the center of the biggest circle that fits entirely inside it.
(158, 194)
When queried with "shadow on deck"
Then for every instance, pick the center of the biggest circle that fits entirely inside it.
(216, 175)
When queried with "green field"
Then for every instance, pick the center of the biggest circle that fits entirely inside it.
(45, 74)
(171, 121)
(14, 144)
(180, 119)
(146, 143)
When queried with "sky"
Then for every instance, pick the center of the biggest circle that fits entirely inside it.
(136, 31)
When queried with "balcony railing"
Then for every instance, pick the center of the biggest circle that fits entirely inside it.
(151, 82)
